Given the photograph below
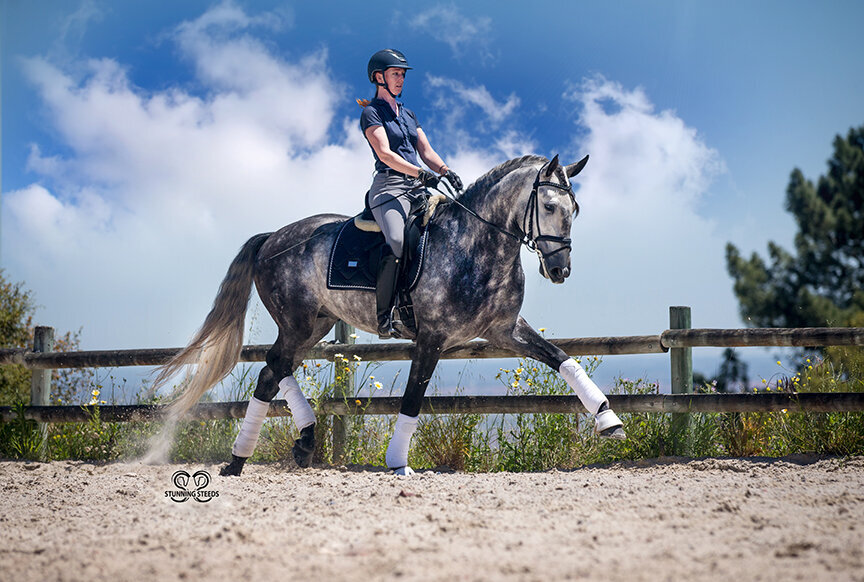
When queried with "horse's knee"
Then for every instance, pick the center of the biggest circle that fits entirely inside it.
(267, 387)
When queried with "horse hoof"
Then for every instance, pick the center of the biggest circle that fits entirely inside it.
(234, 468)
(304, 447)
(403, 471)
(614, 432)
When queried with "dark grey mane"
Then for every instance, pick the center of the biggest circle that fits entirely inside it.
(494, 175)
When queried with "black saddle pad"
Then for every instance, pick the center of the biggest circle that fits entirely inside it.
(354, 259)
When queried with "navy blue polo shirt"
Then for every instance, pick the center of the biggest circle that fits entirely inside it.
(401, 130)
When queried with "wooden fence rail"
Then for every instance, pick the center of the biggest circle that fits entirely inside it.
(596, 346)
(675, 403)
(677, 342)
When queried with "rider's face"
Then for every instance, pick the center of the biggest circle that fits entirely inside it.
(394, 78)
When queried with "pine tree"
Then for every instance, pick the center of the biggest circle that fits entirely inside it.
(822, 284)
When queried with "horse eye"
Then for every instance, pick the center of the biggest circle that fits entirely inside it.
(549, 207)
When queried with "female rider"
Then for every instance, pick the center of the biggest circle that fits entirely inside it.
(396, 139)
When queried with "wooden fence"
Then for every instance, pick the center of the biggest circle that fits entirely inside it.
(678, 341)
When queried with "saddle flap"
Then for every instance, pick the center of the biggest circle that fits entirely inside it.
(355, 254)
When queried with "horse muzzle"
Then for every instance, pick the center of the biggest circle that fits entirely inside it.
(556, 267)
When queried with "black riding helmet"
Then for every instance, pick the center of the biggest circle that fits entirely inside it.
(383, 60)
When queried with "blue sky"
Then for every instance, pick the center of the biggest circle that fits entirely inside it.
(143, 142)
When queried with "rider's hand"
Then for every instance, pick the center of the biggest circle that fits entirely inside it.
(427, 178)
(454, 179)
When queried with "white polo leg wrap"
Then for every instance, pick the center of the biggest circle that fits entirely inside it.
(584, 387)
(247, 438)
(397, 450)
(606, 419)
(301, 411)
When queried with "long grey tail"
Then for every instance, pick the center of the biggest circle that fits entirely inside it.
(216, 347)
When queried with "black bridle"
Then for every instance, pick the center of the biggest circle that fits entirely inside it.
(531, 220)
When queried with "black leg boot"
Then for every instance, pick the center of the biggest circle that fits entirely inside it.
(385, 293)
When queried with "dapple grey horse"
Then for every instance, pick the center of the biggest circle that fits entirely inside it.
(472, 286)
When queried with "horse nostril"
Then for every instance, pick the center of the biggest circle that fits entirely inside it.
(556, 272)
(566, 272)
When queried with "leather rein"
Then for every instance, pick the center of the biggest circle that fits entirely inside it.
(531, 220)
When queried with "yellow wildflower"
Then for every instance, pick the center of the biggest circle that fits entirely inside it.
(378, 386)
(358, 403)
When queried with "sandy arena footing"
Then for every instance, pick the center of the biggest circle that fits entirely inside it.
(673, 519)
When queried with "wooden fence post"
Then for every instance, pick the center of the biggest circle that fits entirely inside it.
(40, 382)
(681, 360)
(343, 388)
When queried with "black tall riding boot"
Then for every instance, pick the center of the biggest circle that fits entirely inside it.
(385, 293)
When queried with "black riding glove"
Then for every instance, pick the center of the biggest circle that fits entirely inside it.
(427, 178)
(454, 180)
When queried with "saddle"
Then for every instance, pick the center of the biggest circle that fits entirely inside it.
(359, 244)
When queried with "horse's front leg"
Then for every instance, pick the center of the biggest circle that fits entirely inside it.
(523, 340)
(426, 355)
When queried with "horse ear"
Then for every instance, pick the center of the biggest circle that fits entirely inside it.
(574, 169)
(550, 169)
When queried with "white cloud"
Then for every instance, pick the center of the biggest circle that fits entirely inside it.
(132, 226)
(470, 119)
(467, 36)
(478, 96)
(640, 244)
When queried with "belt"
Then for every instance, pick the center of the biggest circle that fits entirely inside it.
(392, 172)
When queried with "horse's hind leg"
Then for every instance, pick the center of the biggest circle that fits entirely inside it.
(282, 359)
(304, 418)
(523, 340)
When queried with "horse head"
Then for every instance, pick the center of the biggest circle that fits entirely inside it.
(549, 216)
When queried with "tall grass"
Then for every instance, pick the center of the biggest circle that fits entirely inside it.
(471, 442)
